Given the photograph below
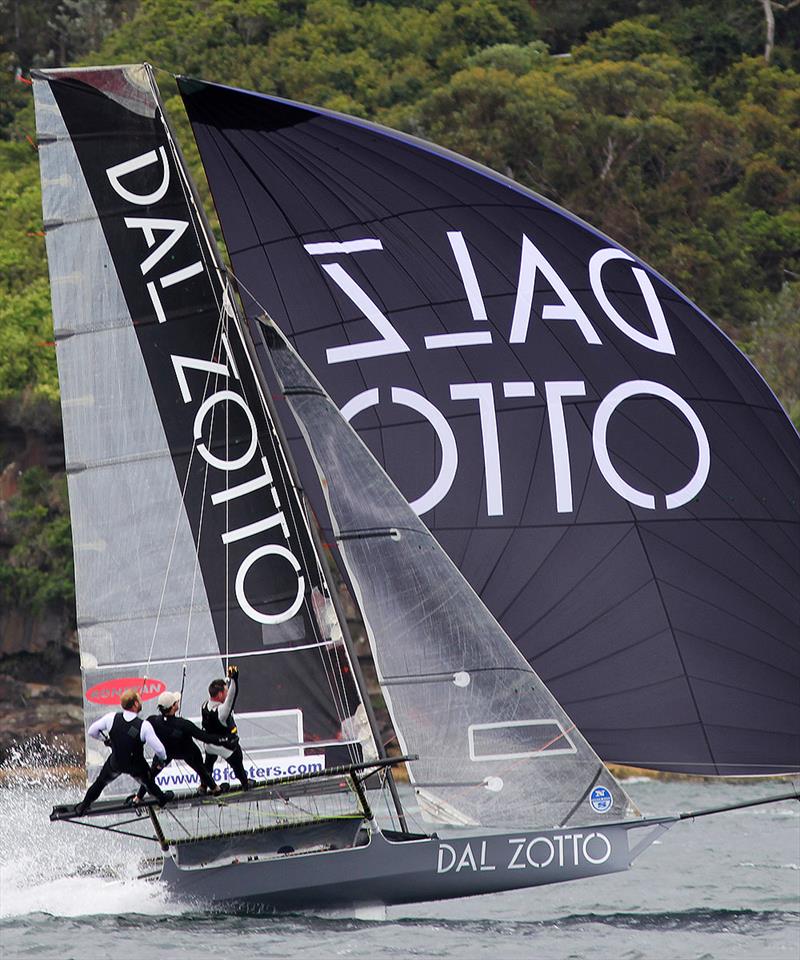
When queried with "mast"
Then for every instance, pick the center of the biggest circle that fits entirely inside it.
(335, 599)
(266, 398)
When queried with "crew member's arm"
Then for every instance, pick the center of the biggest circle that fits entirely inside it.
(194, 731)
(226, 708)
(100, 728)
(148, 736)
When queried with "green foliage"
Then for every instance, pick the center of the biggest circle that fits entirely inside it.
(659, 122)
(773, 344)
(626, 40)
(38, 570)
(27, 360)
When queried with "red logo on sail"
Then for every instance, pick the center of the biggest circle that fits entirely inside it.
(109, 692)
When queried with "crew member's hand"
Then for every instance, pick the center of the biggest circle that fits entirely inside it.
(157, 765)
(233, 672)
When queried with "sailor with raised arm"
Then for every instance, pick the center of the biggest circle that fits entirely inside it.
(178, 736)
(218, 718)
(126, 733)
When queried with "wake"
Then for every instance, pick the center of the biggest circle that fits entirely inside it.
(64, 870)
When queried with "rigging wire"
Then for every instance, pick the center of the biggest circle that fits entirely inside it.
(294, 501)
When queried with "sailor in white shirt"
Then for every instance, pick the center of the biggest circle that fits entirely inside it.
(126, 733)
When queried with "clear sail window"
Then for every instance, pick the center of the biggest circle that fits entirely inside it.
(518, 739)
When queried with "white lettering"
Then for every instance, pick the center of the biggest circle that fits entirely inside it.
(519, 388)
(520, 842)
(484, 865)
(483, 393)
(467, 338)
(116, 173)
(390, 342)
(549, 856)
(185, 273)
(467, 271)
(193, 363)
(156, 300)
(635, 388)
(148, 225)
(259, 526)
(249, 486)
(531, 260)
(447, 471)
(204, 452)
(446, 850)
(559, 842)
(555, 390)
(662, 341)
(348, 246)
(575, 838)
(604, 841)
(270, 550)
(467, 859)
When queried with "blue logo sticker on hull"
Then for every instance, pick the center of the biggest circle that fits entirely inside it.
(601, 800)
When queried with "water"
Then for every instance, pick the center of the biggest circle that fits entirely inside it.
(723, 887)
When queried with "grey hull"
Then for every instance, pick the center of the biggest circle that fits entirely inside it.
(386, 871)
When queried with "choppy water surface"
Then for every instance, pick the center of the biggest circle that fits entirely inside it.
(719, 888)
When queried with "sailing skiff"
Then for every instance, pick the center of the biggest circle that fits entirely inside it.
(199, 446)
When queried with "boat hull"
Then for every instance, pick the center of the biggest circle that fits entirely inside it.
(385, 871)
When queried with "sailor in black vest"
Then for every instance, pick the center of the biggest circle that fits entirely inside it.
(218, 718)
(126, 733)
(178, 735)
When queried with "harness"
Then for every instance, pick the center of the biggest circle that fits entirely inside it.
(127, 749)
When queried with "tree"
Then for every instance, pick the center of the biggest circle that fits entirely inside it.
(770, 7)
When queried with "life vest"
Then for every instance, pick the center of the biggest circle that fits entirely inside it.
(213, 724)
(127, 748)
(177, 742)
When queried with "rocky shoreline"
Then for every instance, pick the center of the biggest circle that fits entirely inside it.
(40, 684)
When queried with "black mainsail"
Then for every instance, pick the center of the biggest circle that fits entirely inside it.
(191, 542)
(607, 470)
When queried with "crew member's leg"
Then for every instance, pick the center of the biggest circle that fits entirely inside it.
(236, 761)
(145, 777)
(106, 775)
(208, 765)
(194, 759)
(156, 766)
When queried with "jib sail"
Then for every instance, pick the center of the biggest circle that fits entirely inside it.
(191, 545)
(610, 474)
(495, 748)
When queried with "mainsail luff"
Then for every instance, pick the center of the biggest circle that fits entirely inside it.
(202, 554)
(638, 543)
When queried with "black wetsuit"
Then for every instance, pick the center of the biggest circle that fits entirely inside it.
(178, 735)
(213, 724)
(127, 756)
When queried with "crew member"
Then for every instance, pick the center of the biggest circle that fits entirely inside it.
(218, 719)
(126, 733)
(178, 735)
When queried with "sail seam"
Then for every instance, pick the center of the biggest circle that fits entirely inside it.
(213, 656)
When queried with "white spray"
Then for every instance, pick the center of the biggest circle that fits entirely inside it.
(63, 869)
